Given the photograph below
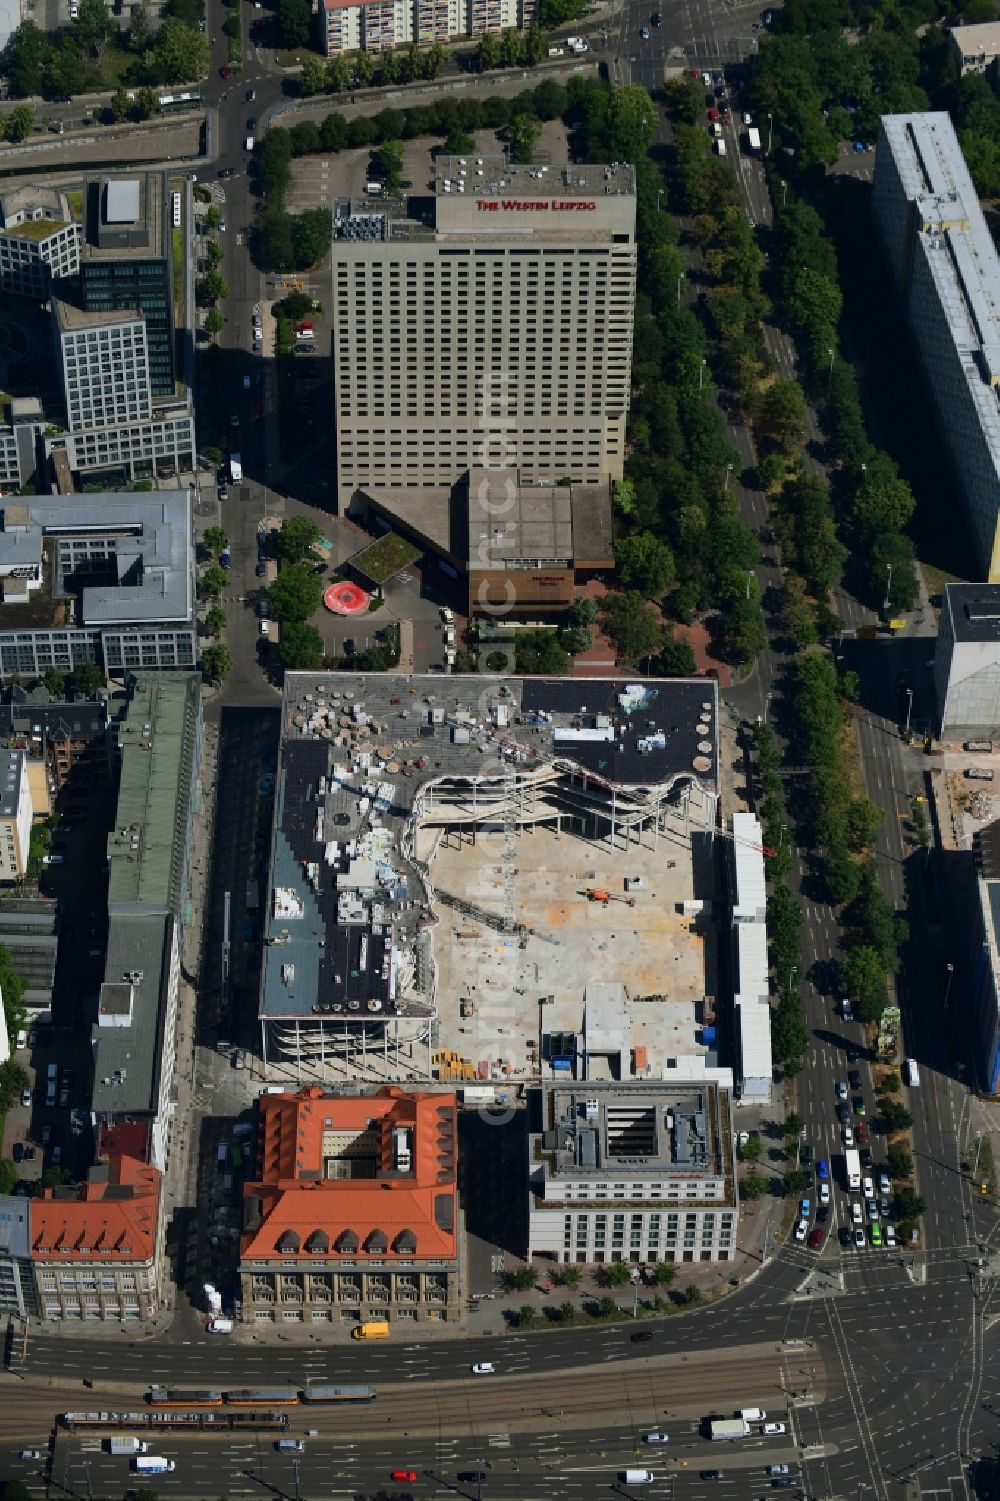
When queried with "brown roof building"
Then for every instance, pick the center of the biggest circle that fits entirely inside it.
(353, 1213)
(97, 1247)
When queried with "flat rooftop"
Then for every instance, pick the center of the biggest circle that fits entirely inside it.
(605, 1130)
(127, 1039)
(974, 610)
(496, 175)
(366, 756)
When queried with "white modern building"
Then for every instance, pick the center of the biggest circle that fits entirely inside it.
(976, 47)
(497, 336)
(751, 991)
(967, 662)
(944, 265)
(639, 1172)
(114, 420)
(15, 815)
(347, 26)
(40, 241)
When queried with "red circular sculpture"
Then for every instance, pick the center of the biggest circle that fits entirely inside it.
(344, 598)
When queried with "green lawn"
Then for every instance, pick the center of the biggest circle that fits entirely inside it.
(384, 558)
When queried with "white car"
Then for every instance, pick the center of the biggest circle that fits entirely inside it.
(265, 627)
(26, 1098)
(848, 1136)
(868, 1188)
(801, 1230)
(777, 1470)
(857, 1217)
(889, 1234)
(824, 1193)
(448, 616)
(775, 1428)
(30, 1454)
(484, 1368)
(656, 1438)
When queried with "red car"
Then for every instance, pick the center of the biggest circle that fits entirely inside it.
(403, 1475)
(223, 71)
(864, 1134)
(713, 114)
(815, 1239)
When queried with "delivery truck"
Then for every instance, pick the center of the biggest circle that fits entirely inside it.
(153, 1464)
(124, 1443)
(728, 1428)
(373, 1329)
(235, 469)
(852, 1168)
(753, 140)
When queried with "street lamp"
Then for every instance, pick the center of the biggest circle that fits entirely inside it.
(947, 989)
(888, 584)
(829, 374)
(784, 194)
(679, 280)
(749, 580)
(701, 375)
(770, 132)
(659, 195)
(791, 975)
(725, 484)
(909, 711)
(781, 834)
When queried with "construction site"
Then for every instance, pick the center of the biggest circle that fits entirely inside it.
(491, 880)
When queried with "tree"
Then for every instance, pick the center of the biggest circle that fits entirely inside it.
(13, 1082)
(55, 682)
(214, 322)
(864, 978)
(899, 1163)
(65, 75)
(752, 1148)
(212, 288)
(390, 158)
(19, 123)
(582, 611)
(94, 26)
(665, 1272)
(570, 1276)
(312, 231)
(864, 819)
(525, 1278)
(138, 31)
(607, 1308)
(297, 538)
(567, 1313)
(522, 132)
(313, 78)
(794, 1124)
(618, 1274)
(646, 564)
(216, 662)
(895, 1115)
(540, 652)
(215, 620)
(15, 1490)
(908, 1204)
(489, 51)
(295, 593)
(693, 1296)
(214, 540)
(752, 1186)
(364, 69)
(301, 647)
(781, 415)
(54, 1177)
(121, 104)
(294, 22)
(633, 624)
(434, 59)
(295, 305)
(795, 1182)
(144, 106)
(23, 58)
(181, 52)
(214, 580)
(86, 678)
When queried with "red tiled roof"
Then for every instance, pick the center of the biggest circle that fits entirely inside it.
(113, 1217)
(405, 1210)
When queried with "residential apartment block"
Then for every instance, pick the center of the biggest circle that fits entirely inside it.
(977, 47)
(350, 1211)
(638, 1172)
(944, 264)
(134, 1038)
(15, 815)
(497, 336)
(40, 241)
(97, 1246)
(347, 26)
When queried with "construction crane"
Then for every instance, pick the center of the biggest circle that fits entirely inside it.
(595, 894)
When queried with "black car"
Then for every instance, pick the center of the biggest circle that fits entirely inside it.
(712, 1474)
(18, 1151)
(844, 1114)
(350, 646)
(844, 1236)
(784, 1482)
(642, 1338)
(656, 18)
(261, 569)
(866, 1158)
(854, 1079)
(822, 1214)
(805, 1155)
(251, 123)
(228, 172)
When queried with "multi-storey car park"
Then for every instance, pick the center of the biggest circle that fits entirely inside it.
(452, 855)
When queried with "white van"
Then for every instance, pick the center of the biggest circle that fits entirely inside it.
(636, 1477)
(752, 1414)
(911, 1073)
(248, 144)
(223, 1153)
(220, 1326)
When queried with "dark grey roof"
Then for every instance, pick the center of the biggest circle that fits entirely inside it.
(71, 719)
(127, 1058)
(974, 611)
